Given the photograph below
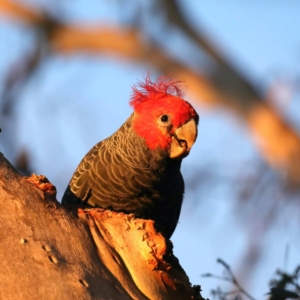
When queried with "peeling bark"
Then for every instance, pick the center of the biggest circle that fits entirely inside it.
(49, 253)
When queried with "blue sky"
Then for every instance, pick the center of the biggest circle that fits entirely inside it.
(76, 101)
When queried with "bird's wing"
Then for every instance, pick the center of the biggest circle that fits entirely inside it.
(103, 179)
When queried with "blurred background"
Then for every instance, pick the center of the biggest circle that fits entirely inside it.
(66, 72)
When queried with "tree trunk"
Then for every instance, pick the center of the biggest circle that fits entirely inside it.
(49, 253)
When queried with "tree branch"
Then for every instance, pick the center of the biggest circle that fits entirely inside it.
(48, 253)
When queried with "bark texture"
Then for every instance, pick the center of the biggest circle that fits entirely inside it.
(49, 253)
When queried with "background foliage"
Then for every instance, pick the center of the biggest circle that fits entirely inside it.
(66, 73)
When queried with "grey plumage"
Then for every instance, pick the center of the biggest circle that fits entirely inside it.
(121, 173)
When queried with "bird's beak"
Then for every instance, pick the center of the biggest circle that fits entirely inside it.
(183, 138)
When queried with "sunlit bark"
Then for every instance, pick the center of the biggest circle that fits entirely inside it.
(49, 253)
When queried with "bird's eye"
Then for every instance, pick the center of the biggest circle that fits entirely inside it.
(164, 118)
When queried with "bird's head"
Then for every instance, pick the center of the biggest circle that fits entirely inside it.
(163, 118)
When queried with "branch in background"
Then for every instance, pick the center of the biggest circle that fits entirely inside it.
(278, 288)
(229, 277)
(230, 75)
(21, 12)
(277, 141)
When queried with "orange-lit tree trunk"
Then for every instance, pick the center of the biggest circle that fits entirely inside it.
(48, 253)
